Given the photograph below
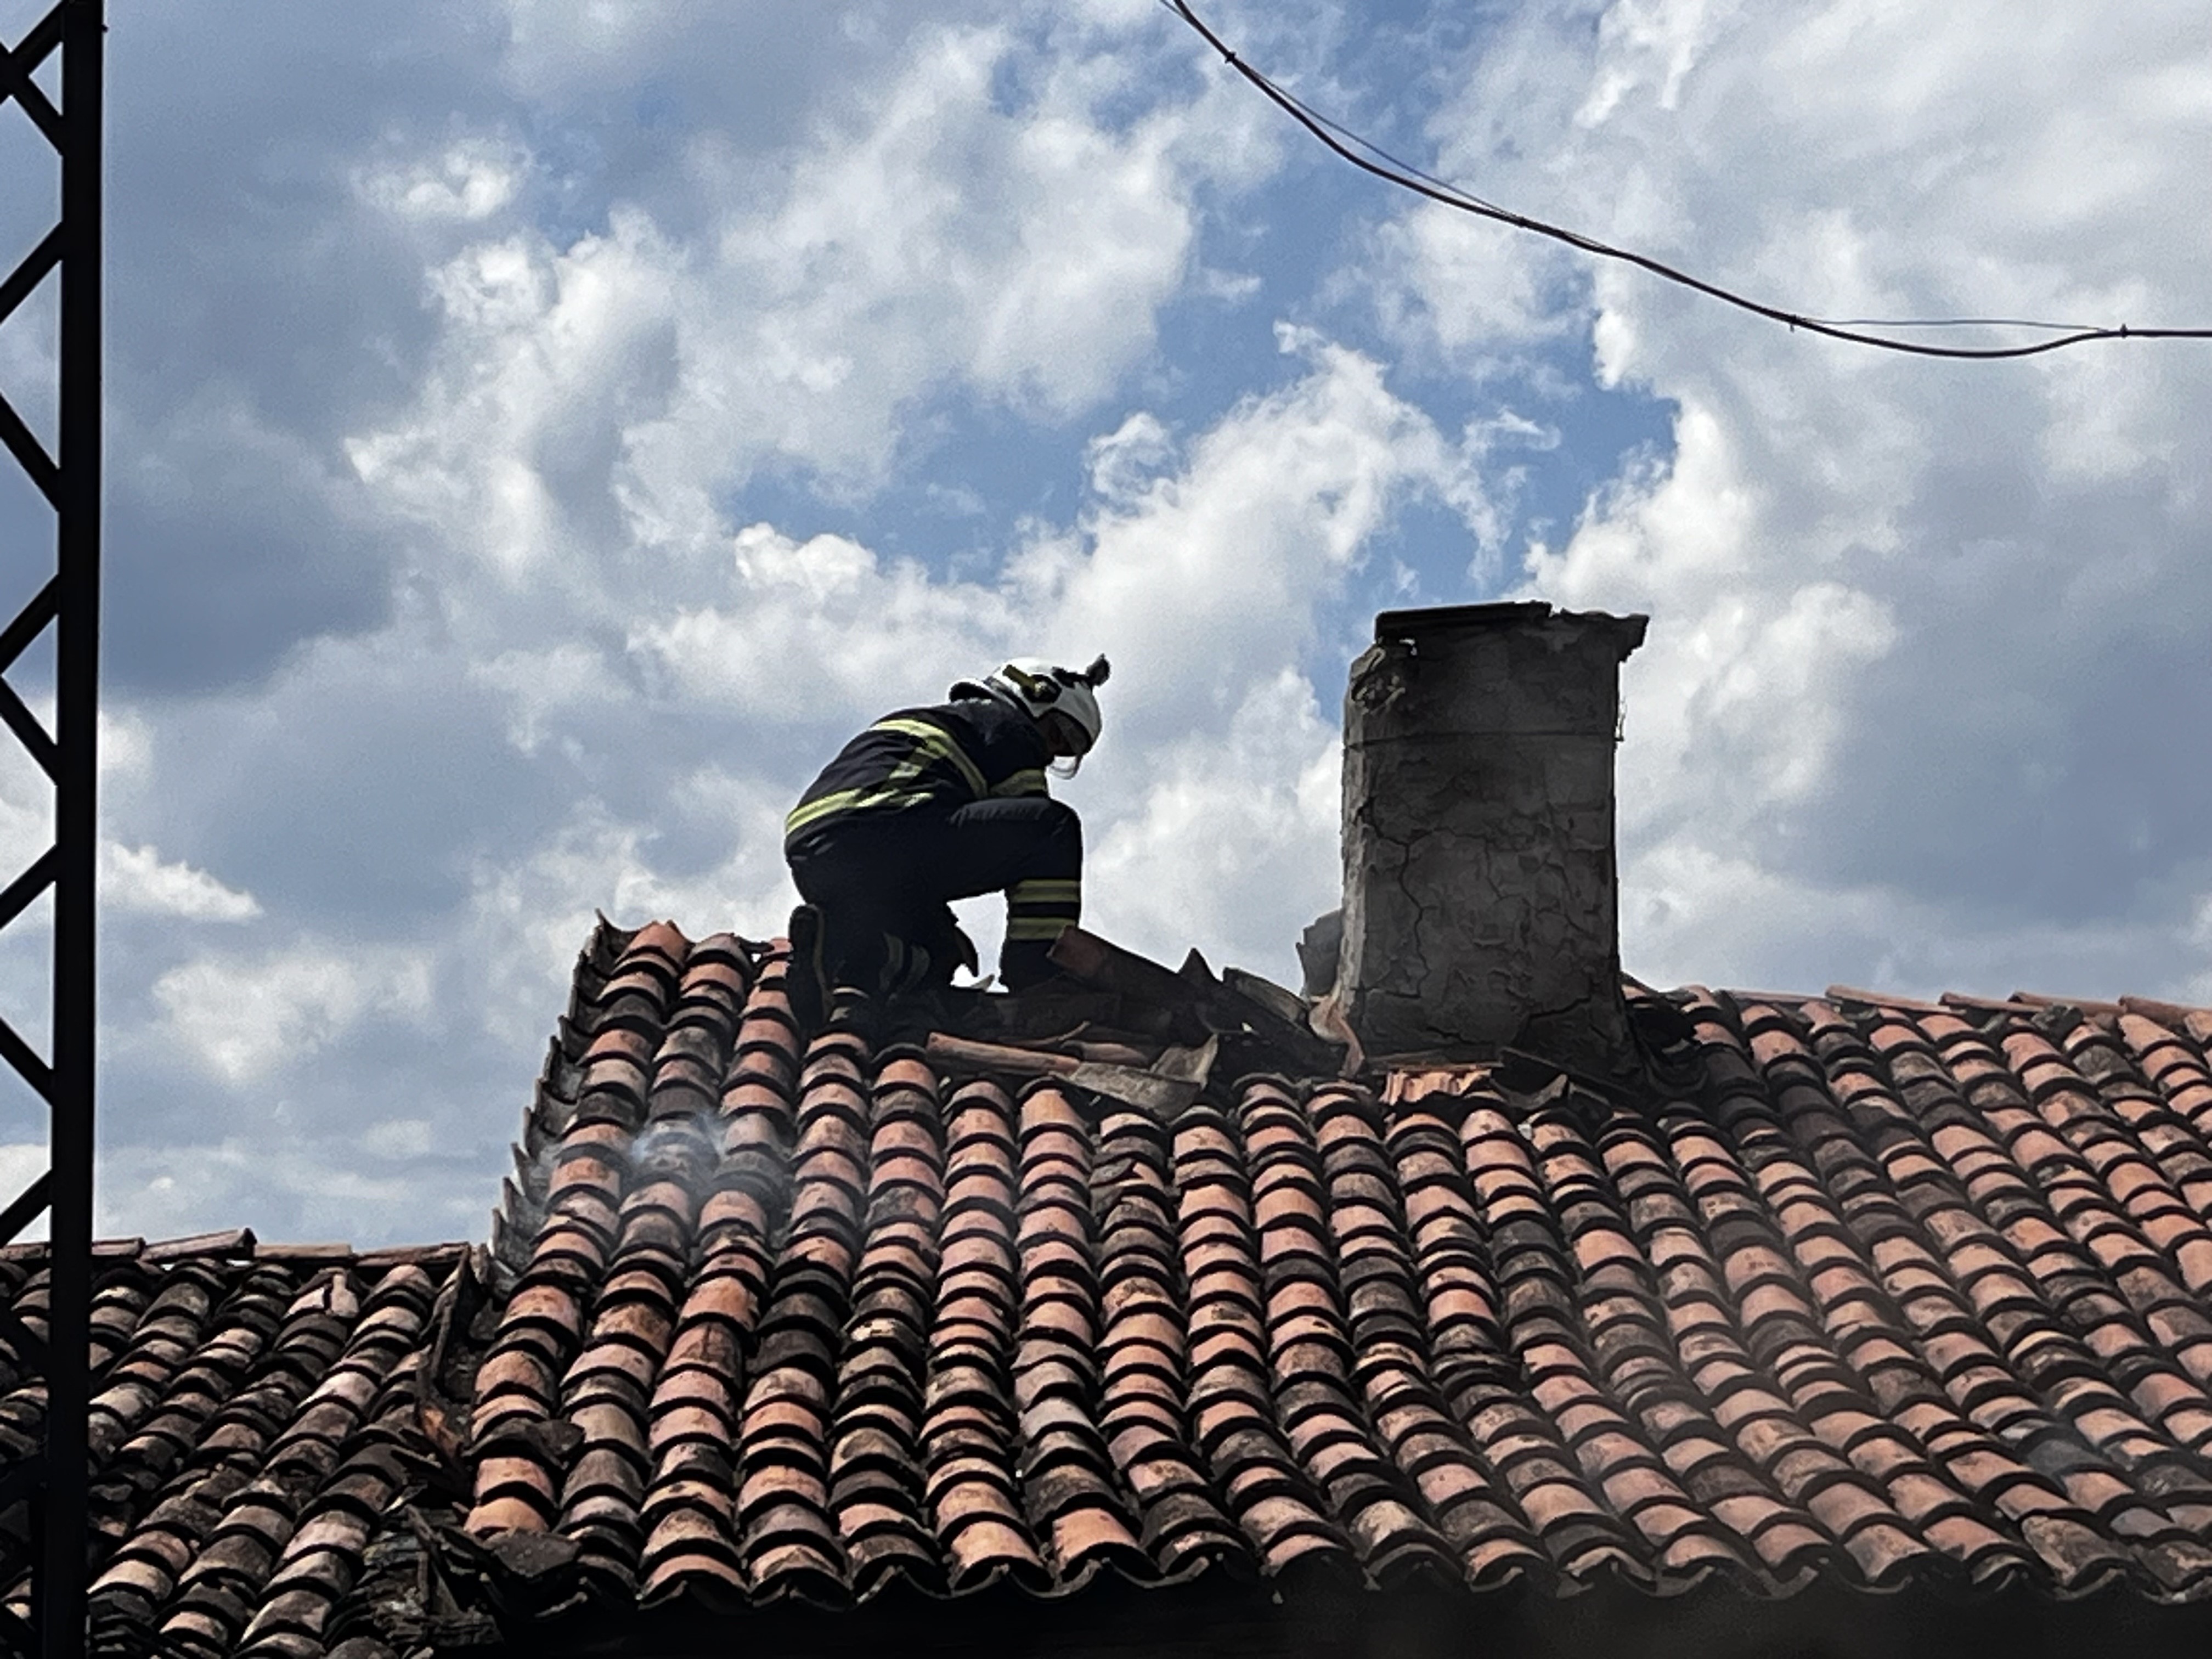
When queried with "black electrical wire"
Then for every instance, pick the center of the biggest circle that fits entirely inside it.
(1342, 141)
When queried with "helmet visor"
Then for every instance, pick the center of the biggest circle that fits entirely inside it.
(1065, 734)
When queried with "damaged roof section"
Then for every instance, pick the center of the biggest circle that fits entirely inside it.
(1850, 1291)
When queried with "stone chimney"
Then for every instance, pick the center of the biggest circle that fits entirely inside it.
(1480, 904)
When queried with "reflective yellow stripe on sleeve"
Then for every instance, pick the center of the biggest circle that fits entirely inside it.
(1037, 927)
(1031, 782)
(1038, 891)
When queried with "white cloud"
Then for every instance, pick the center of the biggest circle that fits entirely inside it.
(1231, 843)
(26, 812)
(126, 747)
(823, 628)
(529, 914)
(541, 684)
(600, 391)
(1735, 703)
(546, 351)
(1468, 292)
(245, 1020)
(1209, 578)
(138, 880)
(1907, 617)
(1646, 45)
(463, 182)
(1193, 581)
(1127, 462)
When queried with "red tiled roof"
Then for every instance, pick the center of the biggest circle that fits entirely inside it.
(1870, 1293)
(1879, 1292)
(251, 1410)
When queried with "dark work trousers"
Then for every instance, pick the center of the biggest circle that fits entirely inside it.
(882, 882)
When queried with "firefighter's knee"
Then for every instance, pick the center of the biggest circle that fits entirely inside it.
(1059, 837)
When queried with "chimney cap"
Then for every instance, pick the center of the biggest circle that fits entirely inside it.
(1627, 631)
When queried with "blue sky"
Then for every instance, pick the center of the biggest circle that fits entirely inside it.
(540, 430)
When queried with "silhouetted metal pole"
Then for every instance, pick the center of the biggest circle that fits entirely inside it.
(77, 828)
(55, 1484)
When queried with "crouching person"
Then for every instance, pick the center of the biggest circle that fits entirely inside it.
(930, 804)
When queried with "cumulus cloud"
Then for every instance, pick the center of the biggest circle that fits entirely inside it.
(1738, 701)
(1456, 290)
(1893, 601)
(824, 625)
(245, 1018)
(1272, 507)
(529, 914)
(541, 684)
(1231, 843)
(1264, 514)
(926, 240)
(138, 879)
(126, 747)
(469, 180)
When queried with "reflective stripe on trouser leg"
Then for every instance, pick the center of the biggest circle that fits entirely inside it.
(1038, 909)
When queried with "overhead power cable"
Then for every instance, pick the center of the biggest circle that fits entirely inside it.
(1371, 158)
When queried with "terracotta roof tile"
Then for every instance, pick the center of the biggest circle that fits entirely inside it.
(1874, 1291)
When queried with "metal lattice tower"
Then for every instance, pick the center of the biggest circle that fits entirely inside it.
(55, 1485)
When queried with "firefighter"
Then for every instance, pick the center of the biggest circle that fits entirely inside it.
(935, 804)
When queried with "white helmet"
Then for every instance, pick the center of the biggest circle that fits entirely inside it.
(1039, 688)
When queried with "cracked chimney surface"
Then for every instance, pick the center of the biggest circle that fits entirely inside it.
(1480, 904)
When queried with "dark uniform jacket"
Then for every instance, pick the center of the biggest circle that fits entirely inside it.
(941, 757)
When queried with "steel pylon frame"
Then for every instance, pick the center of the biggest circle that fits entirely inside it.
(55, 1485)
